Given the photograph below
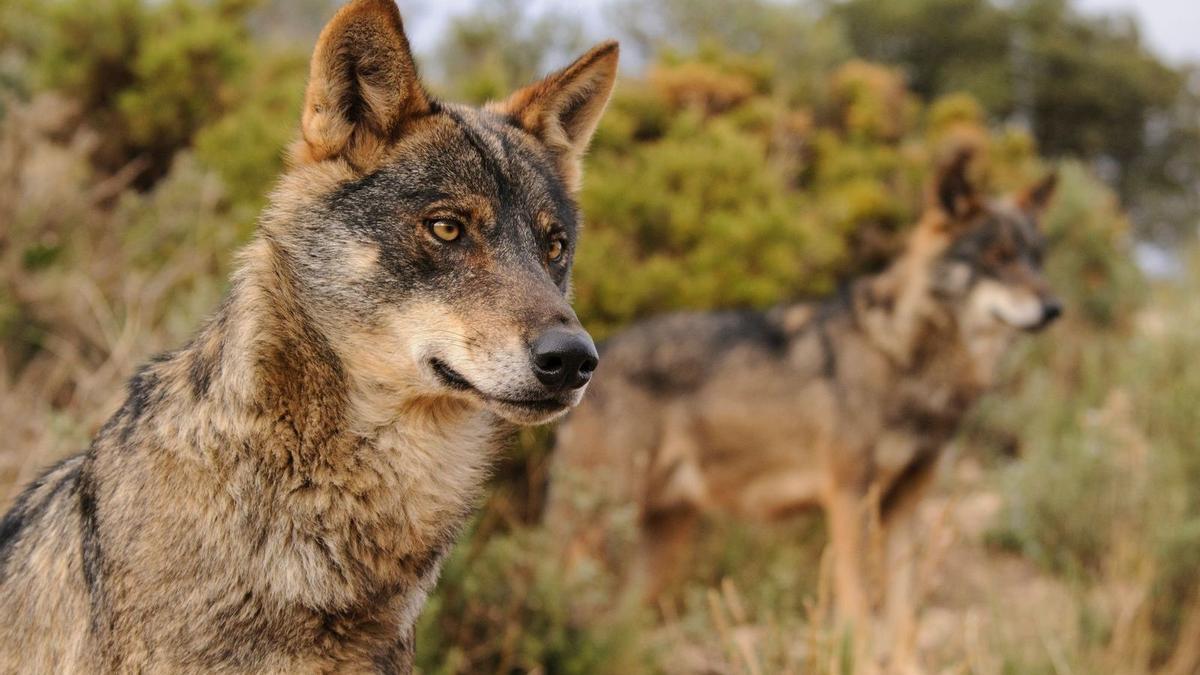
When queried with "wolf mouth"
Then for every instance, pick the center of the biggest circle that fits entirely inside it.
(1036, 327)
(451, 378)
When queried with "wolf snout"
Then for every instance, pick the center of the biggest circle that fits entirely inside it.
(564, 359)
(1052, 308)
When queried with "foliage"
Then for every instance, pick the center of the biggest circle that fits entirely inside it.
(803, 41)
(1042, 64)
(149, 75)
(1039, 64)
(513, 607)
(946, 45)
(490, 52)
(246, 145)
(756, 160)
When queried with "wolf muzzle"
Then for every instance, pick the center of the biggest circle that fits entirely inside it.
(563, 359)
(1052, 308)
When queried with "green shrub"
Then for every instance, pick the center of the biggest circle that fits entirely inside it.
(247, 144)
(507, 604)
(148, 75)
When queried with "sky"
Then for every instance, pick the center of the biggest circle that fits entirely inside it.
(1171, 27)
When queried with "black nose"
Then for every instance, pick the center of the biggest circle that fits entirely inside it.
(1051, 310)
(564, 359)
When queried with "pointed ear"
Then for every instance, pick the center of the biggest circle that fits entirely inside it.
(1036, 197)
(562, 111)
(953, 192)
(362, 86)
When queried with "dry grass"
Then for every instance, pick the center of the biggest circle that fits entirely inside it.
(94, 278)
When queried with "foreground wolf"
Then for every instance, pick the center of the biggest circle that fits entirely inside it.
(277, 495)
(843, 404)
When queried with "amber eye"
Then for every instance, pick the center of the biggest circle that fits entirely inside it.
(555, 252)
(446, 230)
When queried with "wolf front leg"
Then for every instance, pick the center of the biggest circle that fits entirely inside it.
(667, 538)
(674, 495)
(848, 514)
(902, 536)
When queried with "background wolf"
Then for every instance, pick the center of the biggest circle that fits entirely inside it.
(843, 403)
(277, 495)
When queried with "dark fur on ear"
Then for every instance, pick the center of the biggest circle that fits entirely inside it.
(1037, 197)
(953, 191)
(562, 110)
(363, 86)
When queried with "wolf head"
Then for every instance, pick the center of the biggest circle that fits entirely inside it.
(432, 243)
(988, 265)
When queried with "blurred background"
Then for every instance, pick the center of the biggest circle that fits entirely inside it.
(755, 151)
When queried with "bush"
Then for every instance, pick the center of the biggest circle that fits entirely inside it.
(150, 75)
(506, 604)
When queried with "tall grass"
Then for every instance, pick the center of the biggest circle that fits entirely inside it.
(1107, 493)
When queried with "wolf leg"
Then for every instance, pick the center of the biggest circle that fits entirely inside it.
(666, 545)
(902, 534)
(846, 511)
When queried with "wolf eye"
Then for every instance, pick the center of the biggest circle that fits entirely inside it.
(446, 230)
(555, 252)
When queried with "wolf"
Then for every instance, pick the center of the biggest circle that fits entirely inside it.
(842, 404)
(277, 495)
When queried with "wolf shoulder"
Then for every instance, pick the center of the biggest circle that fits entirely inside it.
(678, 353)
(42, 578)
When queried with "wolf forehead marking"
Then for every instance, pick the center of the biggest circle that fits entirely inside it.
(521, 175)
(999, 230)
(465, 154)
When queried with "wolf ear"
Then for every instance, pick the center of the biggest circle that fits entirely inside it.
(362, 86)
(1036, 197)
(953, 191)
(562, 111)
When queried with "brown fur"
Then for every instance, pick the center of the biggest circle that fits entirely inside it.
(562, 109)
(843, 404)
(277, 495)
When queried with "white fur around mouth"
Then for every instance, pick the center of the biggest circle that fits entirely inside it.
(1018, 311)
(452, 379)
